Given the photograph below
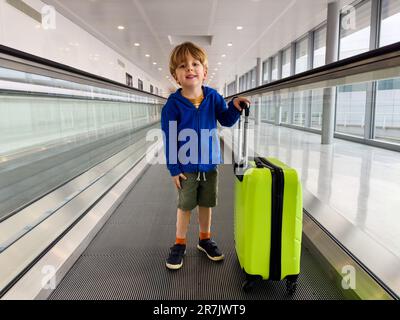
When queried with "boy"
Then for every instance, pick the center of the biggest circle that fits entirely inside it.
(188, 121)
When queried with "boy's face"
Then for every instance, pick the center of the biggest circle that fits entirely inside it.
(190, 73)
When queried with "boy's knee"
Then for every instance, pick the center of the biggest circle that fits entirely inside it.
(184, 212)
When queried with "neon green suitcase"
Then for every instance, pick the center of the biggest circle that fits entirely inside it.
(268, 220)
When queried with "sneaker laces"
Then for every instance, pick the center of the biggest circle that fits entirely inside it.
(211, 243)
(176, 251)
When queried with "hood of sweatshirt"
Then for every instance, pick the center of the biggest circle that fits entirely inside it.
(207, 92)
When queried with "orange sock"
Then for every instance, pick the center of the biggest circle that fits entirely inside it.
(205, 235)
(180, 241)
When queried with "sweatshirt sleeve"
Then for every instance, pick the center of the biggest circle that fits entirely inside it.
(227, 116)
(169, 127)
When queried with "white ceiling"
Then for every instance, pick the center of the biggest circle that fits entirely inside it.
(268, 25)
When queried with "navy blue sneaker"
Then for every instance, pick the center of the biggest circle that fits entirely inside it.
(210, 248)
(175, 259)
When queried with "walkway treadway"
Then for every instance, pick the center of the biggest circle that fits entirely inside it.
(126, 260)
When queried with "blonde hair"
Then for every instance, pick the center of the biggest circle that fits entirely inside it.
(180, 53)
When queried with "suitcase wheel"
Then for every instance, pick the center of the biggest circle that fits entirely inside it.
(291, 286)
(248, 285)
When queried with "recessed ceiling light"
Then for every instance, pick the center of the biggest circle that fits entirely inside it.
(239, 28)
(154, 63)
(230, 44)
(121, 27)
(219, 63)
(159, 69)
(147, 55)
(216, 69)
(223, 56)
(136, 44)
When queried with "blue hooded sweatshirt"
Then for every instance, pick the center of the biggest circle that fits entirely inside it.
(191, 142)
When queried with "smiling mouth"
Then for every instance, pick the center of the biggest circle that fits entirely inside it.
(191, 77)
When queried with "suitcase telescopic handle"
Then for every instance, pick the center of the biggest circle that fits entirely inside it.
(243, 135)
(245, 107)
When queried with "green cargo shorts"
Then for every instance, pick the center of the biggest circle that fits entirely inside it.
(201, 193)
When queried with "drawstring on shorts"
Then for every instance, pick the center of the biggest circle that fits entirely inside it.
(204, 176)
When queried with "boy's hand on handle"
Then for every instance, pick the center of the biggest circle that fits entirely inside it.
(238, 100)
(177, 181)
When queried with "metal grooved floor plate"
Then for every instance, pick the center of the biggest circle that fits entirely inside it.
(126, 260)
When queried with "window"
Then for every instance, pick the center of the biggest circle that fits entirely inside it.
(249, 78)
(140, 84)
(232, 88)
(319, 47)
(317, 101)
(253, 78)
(302, 55)
(286, 54)
(350, 110)
(387, 111)
(151, 88)
(390, 23)
(264, 107)
(267, 107)
(285, 103)
(271, 107)
(266, 71)
(355, 29)
(241, 83)
(393, 84)
(129, 80)
(274, 68)
(300, 107)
